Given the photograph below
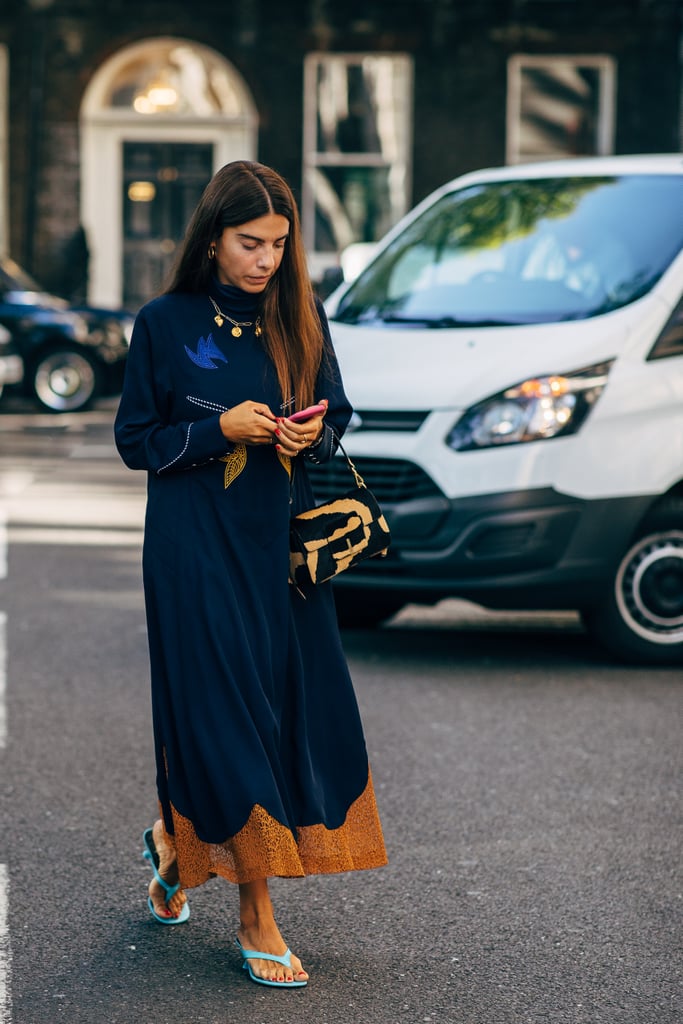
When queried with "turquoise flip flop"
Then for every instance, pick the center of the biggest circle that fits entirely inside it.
(285, 960)
(150, 854)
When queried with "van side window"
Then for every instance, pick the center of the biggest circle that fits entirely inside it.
(670, 341)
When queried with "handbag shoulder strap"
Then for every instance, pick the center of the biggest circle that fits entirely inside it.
(360, 482)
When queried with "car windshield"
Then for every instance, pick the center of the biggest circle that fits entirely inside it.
(18, 287)
(13, 278)
(522, 252)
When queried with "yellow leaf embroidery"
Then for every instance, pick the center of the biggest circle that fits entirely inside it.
(286, 462)
(234, 464)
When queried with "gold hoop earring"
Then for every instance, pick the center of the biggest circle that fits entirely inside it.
(211, 252)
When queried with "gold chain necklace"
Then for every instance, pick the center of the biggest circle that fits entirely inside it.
(237, 325)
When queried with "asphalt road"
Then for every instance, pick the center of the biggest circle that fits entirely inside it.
(529, 790)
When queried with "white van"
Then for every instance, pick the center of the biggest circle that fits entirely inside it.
(514, 354)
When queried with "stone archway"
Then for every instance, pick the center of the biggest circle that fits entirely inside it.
(157, 119)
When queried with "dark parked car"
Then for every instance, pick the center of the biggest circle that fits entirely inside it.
(71, 355)
(11, 366)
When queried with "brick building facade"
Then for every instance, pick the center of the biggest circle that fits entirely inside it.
(364, 106)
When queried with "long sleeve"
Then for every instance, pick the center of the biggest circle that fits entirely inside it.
(330, 386)
(145, 435)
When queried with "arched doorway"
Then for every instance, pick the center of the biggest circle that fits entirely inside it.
(157, 119)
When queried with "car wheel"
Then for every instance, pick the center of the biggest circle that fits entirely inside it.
(363, 609)
(64, 380)
(641, 618)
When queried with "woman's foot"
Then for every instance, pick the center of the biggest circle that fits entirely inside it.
(270, 941)
(259, 931)
(168, 869)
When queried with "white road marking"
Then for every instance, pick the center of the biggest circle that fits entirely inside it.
(3, 679)
(14, 481)
(5, 950)
(66, 535)
(94, 451)
(3, 544)
(51, 503)
(3, 638)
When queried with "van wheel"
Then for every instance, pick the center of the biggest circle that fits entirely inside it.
(363, 609)
(641, 618)
(64, 380)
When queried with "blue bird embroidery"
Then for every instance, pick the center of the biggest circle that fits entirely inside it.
(207, 351)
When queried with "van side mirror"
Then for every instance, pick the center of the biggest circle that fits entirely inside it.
(331, 279)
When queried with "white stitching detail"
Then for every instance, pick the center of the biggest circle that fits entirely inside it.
(169, 464)
(204, 404)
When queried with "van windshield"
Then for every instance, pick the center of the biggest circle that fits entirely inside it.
(522, 252)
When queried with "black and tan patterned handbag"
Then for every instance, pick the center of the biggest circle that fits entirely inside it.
(326, 540)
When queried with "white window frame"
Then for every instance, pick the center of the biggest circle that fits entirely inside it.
(401, 164)
(606, 107)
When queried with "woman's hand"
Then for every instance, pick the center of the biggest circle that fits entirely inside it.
(249, 423)
(292, 438)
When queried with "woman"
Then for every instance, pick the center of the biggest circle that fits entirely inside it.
(261, 763)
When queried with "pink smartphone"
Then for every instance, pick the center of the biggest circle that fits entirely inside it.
(305, 414)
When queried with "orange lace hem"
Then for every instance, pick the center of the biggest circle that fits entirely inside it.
(265, 848)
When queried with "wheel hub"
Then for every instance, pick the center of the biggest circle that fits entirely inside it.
(650, 587)
(64, 381)
(661, 587)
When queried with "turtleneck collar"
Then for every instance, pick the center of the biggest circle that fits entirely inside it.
(233, 300)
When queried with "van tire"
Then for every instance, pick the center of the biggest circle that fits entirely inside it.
(640, 618)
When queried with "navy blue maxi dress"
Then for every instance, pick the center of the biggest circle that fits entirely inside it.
(261, 762)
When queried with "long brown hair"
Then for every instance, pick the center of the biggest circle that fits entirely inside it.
(239, 192)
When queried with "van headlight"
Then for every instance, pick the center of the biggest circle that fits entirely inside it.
(534, 410)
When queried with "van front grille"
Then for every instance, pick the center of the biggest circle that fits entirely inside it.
(390, 480)
(374, 419)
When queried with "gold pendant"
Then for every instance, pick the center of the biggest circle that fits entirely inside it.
(218, 320)
(257, 329)
(236, 332)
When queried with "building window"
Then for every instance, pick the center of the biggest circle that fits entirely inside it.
(559, 106)
(357, 140)
(174, 77)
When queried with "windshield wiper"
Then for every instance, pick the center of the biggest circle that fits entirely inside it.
(445, 321)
